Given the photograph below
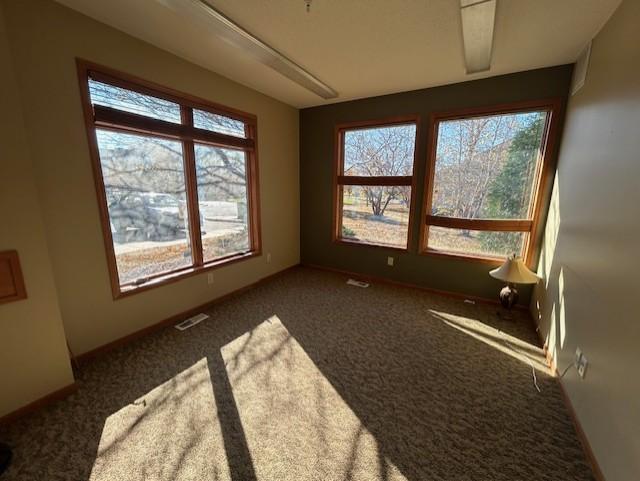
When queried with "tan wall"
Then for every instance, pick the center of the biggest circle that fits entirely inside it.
(33, 354)
(589, 296)
(45, 39)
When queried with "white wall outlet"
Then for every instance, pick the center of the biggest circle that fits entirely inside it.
(390, 261)
(582, 366)
(210, 278)
(578, 357)
(268, 257)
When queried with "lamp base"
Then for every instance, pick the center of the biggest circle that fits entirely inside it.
(508, 298)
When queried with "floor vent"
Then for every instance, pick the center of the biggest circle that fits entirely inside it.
(353, 282)
(192, 321)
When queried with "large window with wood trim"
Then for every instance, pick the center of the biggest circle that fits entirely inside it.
(176, 178)
(485, 177)
(374, 182)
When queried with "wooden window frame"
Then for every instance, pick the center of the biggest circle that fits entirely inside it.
(544, 175)
(97, 116)
(340, 180)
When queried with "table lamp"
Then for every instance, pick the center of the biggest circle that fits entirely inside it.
(513, 271)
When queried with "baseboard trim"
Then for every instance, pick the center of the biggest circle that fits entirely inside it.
(384, 280)
(586, 445)
(98, 351)
(39, 403)
(584, 441)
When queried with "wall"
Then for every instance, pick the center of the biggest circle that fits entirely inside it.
(317, 137)
(45, 39)
(589, 295)
(33, 353)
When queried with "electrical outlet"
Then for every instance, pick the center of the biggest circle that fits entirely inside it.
(582, 366)
(390, 261)
(210, 278)
(268, 257)
(578, 357)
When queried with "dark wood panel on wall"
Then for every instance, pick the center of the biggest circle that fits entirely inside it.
(11, 280)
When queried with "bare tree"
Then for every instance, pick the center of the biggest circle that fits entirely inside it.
(387, 151)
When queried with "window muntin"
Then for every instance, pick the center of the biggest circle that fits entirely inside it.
(160, 180)
(484, 181)
(374, 183)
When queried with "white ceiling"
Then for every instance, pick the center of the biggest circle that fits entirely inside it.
(361, 48)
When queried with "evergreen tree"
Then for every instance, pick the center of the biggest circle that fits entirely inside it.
(509, 193)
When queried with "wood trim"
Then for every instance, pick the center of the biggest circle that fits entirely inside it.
(39, 403)
(349, 242)
(339, 179)
(169, 321)
(545, 176)
(170, 277)
(253, 193)
(498, 225)
(383, 280)
(105, 117)
(384, 122)
(582, 436)
(94, 154)
(504, 108)
(191, 187)
(493, 261)
(375, 180)
(119, 120)
(545, 172)
(105, 74)
(17, 280)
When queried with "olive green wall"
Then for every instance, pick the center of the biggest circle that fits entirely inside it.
(317, 137)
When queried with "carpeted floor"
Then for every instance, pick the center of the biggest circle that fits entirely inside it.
(306, 378)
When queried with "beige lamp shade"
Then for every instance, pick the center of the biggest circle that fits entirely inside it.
(514, 271)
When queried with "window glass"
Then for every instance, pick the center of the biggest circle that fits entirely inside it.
(133, 102)
(145, 190)
(223, 201)
(218, 123)
(476, 243)
(486, 166)
(380, 151)
(376, 214)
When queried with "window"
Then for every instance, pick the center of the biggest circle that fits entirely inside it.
(484, 181)
(176, 179)
(373, 182)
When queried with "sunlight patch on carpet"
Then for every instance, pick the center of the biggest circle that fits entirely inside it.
(497, 339)
(296, 425)
(172, 432)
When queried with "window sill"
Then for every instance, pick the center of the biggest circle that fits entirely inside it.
(163, 279)
(494, 261)
(343, 241)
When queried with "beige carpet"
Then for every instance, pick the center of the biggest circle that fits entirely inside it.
(306, 378)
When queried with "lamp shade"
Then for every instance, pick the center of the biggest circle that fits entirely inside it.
(514, 271)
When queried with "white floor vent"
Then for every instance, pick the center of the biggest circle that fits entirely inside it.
(192, 321)
(353, 282)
